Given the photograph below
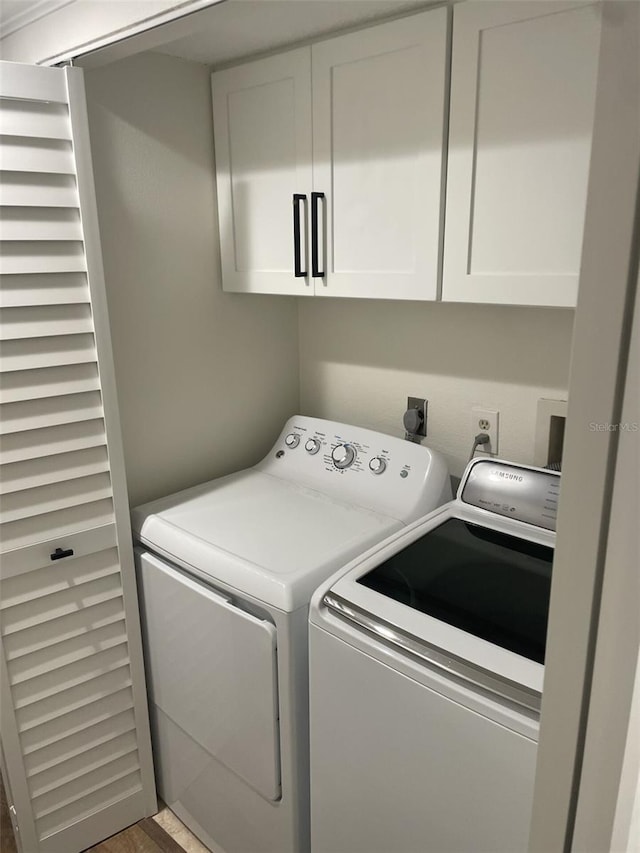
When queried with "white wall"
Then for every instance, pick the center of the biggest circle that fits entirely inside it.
(359, 360)
(205, 379)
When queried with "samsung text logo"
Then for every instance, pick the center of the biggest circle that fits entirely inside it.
(506, 475)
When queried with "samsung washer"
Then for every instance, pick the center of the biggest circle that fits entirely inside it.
(226, 571)
(426, 674)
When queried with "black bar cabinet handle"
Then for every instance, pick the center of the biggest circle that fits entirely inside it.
(297, 247)
(59, 553)
(316, 272)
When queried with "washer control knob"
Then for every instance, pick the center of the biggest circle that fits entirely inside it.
(312, 446)
(377, 465)
(343, 455)
(292, 440)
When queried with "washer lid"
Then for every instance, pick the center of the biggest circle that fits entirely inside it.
(270, 538)
(463, 582)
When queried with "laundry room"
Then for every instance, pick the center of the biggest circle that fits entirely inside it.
(281, 252)
(206, 378)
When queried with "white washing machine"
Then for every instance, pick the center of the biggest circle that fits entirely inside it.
(226, 571)
(426, 671)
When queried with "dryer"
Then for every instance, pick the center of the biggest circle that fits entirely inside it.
(226, 571)
(426, 675)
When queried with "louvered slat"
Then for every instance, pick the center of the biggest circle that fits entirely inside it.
(25, 154)
(75, 519)
(41, 320)
(34, 119)
(86, 784)
(64, 777)
(99, 797)
(77, 623)
(63, 749)
(60, 733)
(39, 443)
(47, 256)
(32, 190)
(30, 614)
(42, 687)
(53, 469)
(47, 289)
(49, 352)
(48, 382)
(40, 223)
(73, 699)
(50, 411)
(67, 652)
(50, 498)
(82, 765)
(33, 82)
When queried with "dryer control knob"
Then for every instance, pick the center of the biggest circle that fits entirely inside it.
(292, 440)
(312, 446)
(377, 465)
(343, 455)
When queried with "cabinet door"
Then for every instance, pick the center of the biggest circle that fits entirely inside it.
(75, 730)
(522, 103)
(379, 98)
(262, 130)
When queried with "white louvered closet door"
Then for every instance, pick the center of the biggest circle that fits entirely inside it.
(75, 731)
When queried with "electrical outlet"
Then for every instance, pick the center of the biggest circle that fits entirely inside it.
(488, 421)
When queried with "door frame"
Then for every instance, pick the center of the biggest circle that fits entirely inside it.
(570, 757)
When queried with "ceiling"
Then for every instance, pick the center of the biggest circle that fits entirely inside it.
(10, 8)
(15, 14)
(235, 29)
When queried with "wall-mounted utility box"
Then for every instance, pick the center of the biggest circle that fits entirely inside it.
(549, 439)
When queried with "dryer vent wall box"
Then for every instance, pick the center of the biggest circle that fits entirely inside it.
(549, 439)
(231, 565)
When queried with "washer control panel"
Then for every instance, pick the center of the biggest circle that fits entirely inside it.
(515, 491)
(370, 468)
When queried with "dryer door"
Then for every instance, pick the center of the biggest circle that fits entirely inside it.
(212, 669)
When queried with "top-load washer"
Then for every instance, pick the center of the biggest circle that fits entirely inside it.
(226, 571)
(426, 672)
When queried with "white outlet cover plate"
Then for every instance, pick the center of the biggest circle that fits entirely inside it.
(478, 413)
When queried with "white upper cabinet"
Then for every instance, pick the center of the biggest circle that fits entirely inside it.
(331, 158)
(262, 128)
(363, 218)
(522, 102)
(379, 99)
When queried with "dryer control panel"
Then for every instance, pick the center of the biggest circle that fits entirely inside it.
(516, 491)
(371, 469)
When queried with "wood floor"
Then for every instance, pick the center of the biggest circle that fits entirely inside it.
(7, 843)
(145, 837)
